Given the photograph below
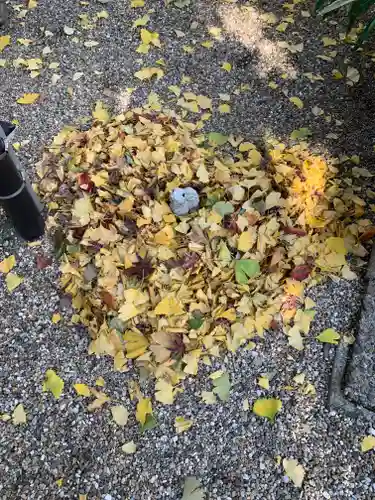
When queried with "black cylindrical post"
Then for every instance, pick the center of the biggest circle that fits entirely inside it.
(16, 194)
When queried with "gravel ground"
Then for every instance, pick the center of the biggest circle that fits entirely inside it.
(232, 452)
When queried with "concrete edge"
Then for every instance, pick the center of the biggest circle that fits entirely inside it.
(336, 399)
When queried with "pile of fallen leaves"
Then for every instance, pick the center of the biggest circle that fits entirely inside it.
(170, 291)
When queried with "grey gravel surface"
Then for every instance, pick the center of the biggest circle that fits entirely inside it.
(232, 452)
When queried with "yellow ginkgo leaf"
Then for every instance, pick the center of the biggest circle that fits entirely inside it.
(129, 447)
(191, 360)
(336, 245)
(202, 174)
(368, 443)
(282, 27)
(144, 408)
(82, 390)
(164, 236)
(148, 73)
(267, 407)
(56, 318)
(328, 42)
(337, 75)
(137, 3)
(246, 146)
(226, 66)
(82, 210)
(120, 415)
(53, 383)
(128, 311)
(169, 306)
(141, 21)
(269, 18)
(90, 43)
(4, 42)
(246, 240)
(299, 378)
(24, 41)
(273, 200)
(294, 471)
(175, 89)
(329, 336)
(182, 425)
(189, 105)
(295, 338)
(208, 397)
(103, 14)
(165, 392)
(13, 281)
(215, 32)
(136, 343)
(143, 48)
(19, 415)
(294, 287)
(148, 37)
(101, 399)
(264, 382)
(204, 102)
(7, 264)
(100, 113)
(254, 157)
(100, 382)
(224, 108)
(28, 98)
(297, 102)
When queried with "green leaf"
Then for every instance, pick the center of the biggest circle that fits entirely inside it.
(196, 321)
(337, 4)
(192, 489)
(225, 255)
(217, 139)
(301, 133)
(267, 407)
(222, 386)
(246, 269)
(370, 26)
(150, 423)
(329, 336)
(223, 208)
(358, 8)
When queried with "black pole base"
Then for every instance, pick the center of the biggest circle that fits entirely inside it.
(16, 194)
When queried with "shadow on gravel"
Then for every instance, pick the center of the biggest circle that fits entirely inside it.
(259, 54)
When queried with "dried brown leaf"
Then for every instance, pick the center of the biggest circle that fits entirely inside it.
(300, 273)
(141, 269)
(42, 261)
